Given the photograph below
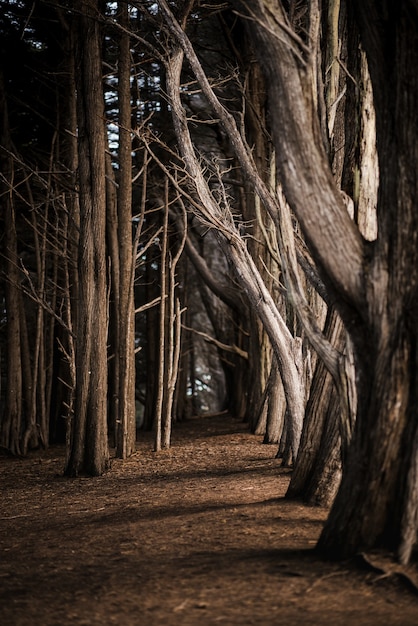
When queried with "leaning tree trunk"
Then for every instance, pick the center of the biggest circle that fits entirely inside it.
(378, 500)
(209, 211)
(311, 479)
(89, 446)
(374, 284)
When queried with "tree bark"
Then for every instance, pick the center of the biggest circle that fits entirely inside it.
(240, 259)
(321, 410)
(11, 419)
(374, 285)
(89, 449)
(126, 431)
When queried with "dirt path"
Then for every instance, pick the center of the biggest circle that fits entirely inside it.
(196, 536)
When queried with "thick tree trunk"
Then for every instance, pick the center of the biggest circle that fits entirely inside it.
(377, 500)
(89, 447)
(374, 285)
(382, 509)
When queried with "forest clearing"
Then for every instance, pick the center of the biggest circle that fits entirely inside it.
(199, 534)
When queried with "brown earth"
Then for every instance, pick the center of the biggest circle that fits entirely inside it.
(194, 536)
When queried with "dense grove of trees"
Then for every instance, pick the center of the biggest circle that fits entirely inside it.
(212, 207)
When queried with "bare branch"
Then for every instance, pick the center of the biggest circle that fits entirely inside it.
(219, 344)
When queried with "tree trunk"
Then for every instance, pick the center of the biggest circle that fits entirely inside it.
(162, 340)
(276, 407)
(240, 259)
(382, 509)
(322, 414)
(11, 419)
(114, 304)
(374, 285)
(126, 431)
(70, 228)
(89, 449)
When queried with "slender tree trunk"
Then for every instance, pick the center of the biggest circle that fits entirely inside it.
(173, 335)
(70, 229)
(114, 304)
(162, 329)
(36, 406)
(152, 325)
(11, 419)
(126, 432)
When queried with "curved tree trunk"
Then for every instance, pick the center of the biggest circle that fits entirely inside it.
(382, 509)
(374, 284)
(246, 272)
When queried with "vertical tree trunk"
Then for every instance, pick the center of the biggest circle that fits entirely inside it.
(11, 419)
(89, 451)
(35, 423)
(276, 407)
(114, 304)
(162, 328)
(70, 228)
(173, 339)
(152, 324)
(126, 432)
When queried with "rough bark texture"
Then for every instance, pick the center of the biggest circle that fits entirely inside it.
(303, 163)
(374, 286)
(314, 476)
(382, 508)
(89, 447)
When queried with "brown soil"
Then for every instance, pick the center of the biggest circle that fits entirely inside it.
(194, 536)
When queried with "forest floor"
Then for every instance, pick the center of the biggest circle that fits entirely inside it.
(197, 535)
